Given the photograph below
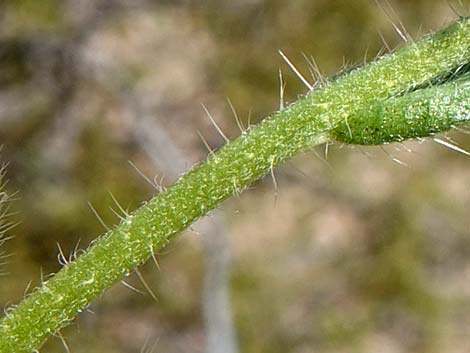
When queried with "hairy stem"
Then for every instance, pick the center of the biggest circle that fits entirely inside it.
(420, 113)
(302, 125)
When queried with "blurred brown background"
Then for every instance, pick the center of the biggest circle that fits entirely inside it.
(356, 253)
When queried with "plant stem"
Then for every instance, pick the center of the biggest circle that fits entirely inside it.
(418, 114)
(302, 125)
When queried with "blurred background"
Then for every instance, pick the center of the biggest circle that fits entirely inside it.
(365, 250)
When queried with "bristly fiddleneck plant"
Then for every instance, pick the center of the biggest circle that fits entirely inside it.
(416, 91)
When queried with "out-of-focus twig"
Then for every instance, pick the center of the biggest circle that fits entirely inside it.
(162, 150)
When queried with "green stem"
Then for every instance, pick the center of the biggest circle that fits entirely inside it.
(302, 125)
(418, 114)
